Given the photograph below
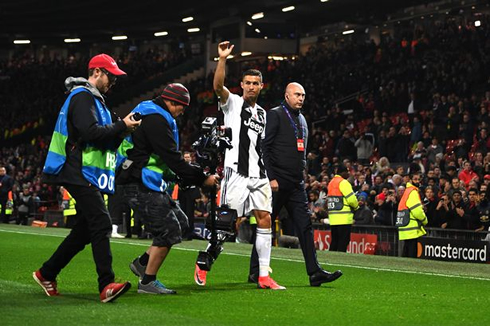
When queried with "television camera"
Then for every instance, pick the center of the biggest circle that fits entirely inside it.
(210, 149)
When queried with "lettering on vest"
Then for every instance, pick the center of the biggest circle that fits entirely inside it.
(402, 218)
(254, 125)
(110, 160)
(105, 181)
(335, 203)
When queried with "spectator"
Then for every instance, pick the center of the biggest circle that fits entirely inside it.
(386, 206)
(467, 174)
(455, 215)
(26, 206)
(346, 147)
(472, 213)
(455, 186)
(364, 215)
(365, 145)
(431, 206)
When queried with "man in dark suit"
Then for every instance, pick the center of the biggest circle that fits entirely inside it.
(284, 149)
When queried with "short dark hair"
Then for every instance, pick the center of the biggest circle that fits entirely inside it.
(474, 190)
(252, 72)
(341, 168)
(415, 173)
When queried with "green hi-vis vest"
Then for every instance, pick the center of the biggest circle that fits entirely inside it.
(156, 175)
(98, 165)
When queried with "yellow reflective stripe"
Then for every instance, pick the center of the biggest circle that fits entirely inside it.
(415, 206)
(339, 212)
(409, 229)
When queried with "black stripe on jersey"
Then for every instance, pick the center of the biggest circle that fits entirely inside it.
(258, 146)
(244, 142)
(224, 187)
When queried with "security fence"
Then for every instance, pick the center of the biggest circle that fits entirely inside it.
(387, 243)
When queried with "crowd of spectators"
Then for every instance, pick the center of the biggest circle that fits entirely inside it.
(32, 87)
(421, 102)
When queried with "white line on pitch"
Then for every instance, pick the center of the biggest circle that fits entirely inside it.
(279, 258)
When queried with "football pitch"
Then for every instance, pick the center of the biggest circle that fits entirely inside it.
(374, 290)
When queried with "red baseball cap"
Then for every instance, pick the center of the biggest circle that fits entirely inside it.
(487, 177)
(107, 62)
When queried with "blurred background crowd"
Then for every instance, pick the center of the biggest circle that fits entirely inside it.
(417, 99)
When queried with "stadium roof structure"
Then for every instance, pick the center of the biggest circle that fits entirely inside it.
(51, 20)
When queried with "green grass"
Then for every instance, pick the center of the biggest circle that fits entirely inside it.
(373, 291)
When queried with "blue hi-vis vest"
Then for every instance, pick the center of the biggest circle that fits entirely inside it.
(156, 175)
(98, 165)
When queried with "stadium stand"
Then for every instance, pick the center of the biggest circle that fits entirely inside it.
(422, 92)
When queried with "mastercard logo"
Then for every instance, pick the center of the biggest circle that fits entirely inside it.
(420, 249)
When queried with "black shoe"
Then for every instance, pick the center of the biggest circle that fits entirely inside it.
(253, 278)
(323, 276)
(128, 236)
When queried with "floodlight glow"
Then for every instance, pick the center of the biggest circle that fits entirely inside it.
(164, 33)
(72, 40)
(258, 15)
(119, 38)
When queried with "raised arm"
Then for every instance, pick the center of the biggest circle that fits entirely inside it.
(224, 50)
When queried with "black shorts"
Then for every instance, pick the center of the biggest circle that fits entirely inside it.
(162, 217)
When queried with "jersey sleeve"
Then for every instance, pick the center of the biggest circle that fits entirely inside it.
(229, 106)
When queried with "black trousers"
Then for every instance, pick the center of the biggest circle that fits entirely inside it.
(3, 216)
(187, 202)
(293, 197)
(340, 237)
(92, 225)
(410, 248)
(118, 207)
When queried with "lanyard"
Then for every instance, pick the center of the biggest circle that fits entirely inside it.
(293, 124)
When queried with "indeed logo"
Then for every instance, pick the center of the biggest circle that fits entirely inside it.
(254, 125)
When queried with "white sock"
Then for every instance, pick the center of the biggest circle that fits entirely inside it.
(114, 228)
(263, 246)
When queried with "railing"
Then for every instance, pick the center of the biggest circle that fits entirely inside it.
(389, 245)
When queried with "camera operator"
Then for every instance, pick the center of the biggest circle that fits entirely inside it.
(144, 177)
